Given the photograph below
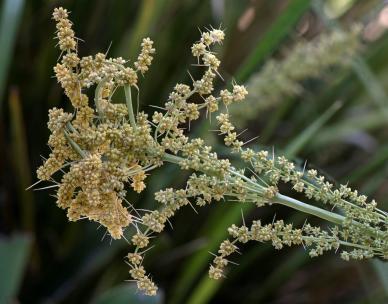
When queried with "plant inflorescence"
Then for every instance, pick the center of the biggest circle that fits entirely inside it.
(100, 150)
(279, 79)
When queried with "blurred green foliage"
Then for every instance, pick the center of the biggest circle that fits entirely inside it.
(53, 261)
(13, 259)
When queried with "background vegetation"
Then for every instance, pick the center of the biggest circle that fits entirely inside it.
(46, 259)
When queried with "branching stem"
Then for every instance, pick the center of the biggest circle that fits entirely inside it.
(287, 201)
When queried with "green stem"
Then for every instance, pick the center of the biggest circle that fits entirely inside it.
(74, 145)
(128, 99)
(172, 158)
(307, 208)
(71, 128)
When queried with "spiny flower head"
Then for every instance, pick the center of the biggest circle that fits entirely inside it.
(109, 151)
(103, 149)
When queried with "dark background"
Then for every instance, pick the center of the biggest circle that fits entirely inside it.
(46, 259)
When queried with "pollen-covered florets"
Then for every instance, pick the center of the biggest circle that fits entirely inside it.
(217, 35)
(145, 57)
(239, 93)
(140, 240)
(198, 49)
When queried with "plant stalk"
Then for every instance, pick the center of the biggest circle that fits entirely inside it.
(74, 145)
(128, 100)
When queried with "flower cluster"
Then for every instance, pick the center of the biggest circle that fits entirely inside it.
(98, 151)
(316, 240)
(65, 33)
(101, 150)
(145, 57)
(138, 273)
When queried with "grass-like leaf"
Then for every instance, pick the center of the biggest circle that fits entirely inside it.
(14, 252)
